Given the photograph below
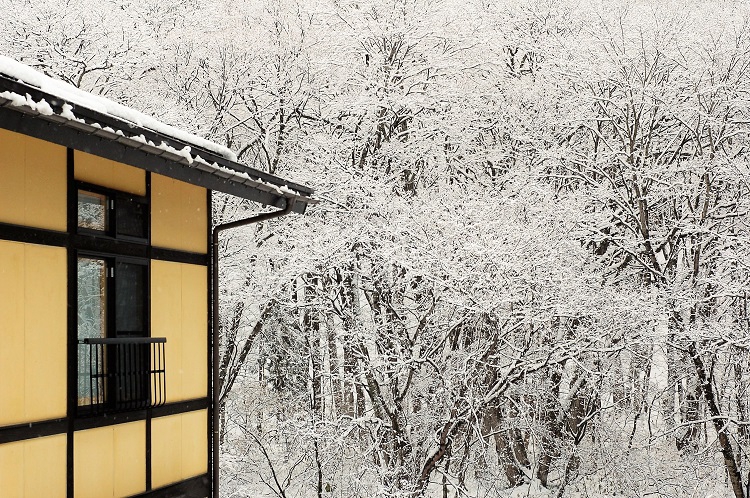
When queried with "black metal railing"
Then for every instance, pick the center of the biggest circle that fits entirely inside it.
(121, 374)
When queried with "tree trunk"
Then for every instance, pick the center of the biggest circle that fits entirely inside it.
(719, 422)
(553, 434)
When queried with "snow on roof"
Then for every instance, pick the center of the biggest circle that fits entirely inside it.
(184, 155)
(73, 95)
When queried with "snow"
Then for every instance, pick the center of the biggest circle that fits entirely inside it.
(531, 490)
(67, 112)
(42, 107)
(71, 94)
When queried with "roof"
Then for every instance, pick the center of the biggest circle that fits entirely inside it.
(37, 105)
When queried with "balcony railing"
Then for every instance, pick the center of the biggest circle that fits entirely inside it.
(121, 374)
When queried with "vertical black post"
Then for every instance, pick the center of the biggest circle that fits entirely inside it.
(72, 319)
(209, 338)
(149, 392)
(215, 385)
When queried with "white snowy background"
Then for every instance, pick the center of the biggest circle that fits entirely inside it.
(528, 274)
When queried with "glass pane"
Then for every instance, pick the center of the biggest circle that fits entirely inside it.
(130, 297)
(92, 211)
(131, 361)
(92, 323)
(131, 217)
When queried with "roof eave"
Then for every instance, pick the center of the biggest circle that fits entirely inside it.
(237, 179)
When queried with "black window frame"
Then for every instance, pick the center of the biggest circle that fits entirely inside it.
(113, 248)
(114, 199)
(111, 327)
(111, 261)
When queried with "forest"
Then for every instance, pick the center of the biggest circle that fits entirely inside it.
(528, 272)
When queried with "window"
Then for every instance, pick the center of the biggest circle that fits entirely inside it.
(93, 213)
(112, 304)
(110, 213)
(119, 366)
(92, 324)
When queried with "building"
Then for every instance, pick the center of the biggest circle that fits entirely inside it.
(106, 343)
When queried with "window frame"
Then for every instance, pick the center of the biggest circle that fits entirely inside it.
(114, 198)
(113, 248)
(111, 312)
(111, 262)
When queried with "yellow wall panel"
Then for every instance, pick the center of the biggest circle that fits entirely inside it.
(46, 179)
(166, 320)
(33, 356)
(32, 182)
(180, 447)
(11, 468)
(194, 444)
(12, 169)
(12, 323)
(196, 216)
(44, 467)
(179, 313)
(45, 332)
(166, 450)
(35, 467)
(178, 215)
(130, 458)
(194, 331)
(93, 466)
(110, 462)
(111, 174)
(166, 219)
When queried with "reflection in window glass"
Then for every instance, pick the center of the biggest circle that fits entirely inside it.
(92, 211)
(130, 318)
(92, 322)
(130, 299)
(132, 217)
